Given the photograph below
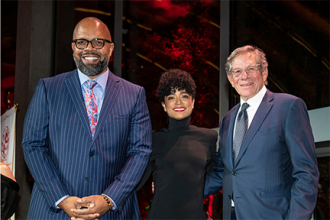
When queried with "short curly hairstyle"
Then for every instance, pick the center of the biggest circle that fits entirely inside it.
(175, 79)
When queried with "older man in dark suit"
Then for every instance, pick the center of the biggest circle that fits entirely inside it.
(267, 164)
(87, 136)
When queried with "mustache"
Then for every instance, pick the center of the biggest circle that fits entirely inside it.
(90, 53)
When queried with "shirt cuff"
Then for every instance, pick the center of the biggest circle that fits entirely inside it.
(60, 200)
(114, 204)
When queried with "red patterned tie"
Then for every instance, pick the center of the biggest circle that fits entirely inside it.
(91, 106)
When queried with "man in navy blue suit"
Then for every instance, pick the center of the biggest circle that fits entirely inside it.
(267, 164)
(87, 147)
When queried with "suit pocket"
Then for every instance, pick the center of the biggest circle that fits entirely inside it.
(274, 195)
(121, 117)
(269, 130)
(275, 205)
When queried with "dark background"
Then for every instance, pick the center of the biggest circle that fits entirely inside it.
(159, 35)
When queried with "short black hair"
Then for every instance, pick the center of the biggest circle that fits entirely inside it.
(175, 79)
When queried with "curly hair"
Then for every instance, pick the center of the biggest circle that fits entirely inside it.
(175, 79)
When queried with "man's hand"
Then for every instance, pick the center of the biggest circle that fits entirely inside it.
(96, 207)
(69, 203)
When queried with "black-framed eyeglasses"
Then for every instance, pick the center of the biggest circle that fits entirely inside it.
(96, 43)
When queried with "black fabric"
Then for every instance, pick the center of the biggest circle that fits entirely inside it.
(181, 156)
(9, 197)
(233, 213)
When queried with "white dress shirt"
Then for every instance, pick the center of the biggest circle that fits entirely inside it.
(254, 104)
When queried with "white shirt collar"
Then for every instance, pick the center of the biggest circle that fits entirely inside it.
(255, 101)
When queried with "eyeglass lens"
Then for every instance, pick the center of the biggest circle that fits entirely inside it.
(97, 44)
(252, 69)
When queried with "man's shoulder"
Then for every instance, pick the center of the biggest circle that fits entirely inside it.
(286, 102)
(233, 109)
(123, 82)
(285, 98)
(59, 77)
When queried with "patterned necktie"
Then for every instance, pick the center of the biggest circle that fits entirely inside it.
(91, 106)
(241, 128)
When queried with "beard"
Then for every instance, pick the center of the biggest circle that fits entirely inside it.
(91, 69)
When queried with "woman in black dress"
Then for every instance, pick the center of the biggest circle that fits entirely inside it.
(182, 153)
(9, 192)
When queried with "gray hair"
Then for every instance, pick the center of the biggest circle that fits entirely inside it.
(260, 57)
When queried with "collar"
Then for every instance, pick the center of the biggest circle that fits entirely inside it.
(175, 124)
(101, 80)
(255, 101)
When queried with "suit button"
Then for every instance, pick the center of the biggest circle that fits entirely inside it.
(86, 179)
(229, 197)
(91, 154)
(234, 173)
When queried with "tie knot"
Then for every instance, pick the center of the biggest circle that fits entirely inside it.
(244, 106)
(90, 84)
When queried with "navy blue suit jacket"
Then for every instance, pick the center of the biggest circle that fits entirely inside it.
(63, 157)
(276, 174)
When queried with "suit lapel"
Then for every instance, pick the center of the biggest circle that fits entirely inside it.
(110, 96)
(257, 121)
(230, 133)
(73, 85)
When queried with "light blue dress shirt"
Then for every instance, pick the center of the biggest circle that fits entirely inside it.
(99, 88)
(99, 91)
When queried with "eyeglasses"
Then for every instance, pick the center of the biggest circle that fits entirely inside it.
(251, 69)
(96, 43)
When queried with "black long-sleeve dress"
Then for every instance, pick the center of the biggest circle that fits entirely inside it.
(182, 154)
(9, 197)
